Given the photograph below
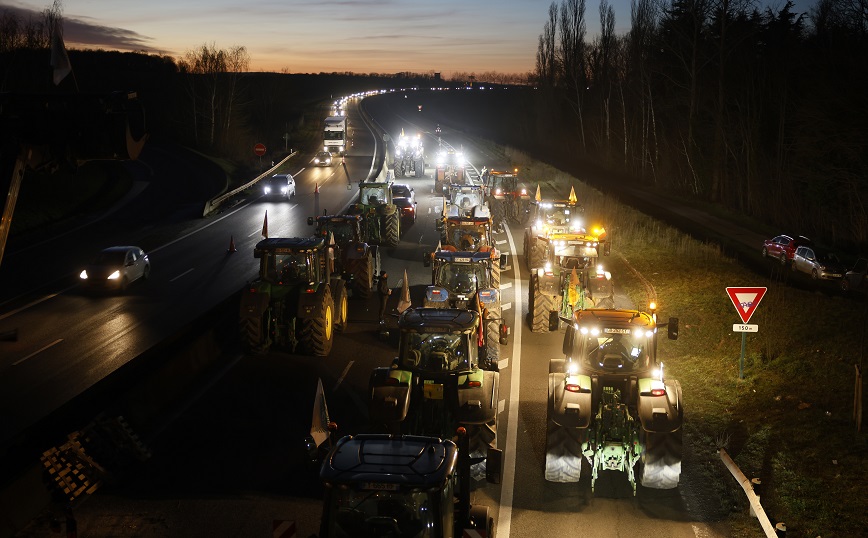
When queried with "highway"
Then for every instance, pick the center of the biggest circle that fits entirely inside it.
(232, 452)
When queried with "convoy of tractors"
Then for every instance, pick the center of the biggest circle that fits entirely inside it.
(433, 410)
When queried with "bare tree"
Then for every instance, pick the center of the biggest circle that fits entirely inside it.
(572, 54)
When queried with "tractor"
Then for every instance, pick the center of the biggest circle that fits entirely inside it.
(436, 384)
(295, 303)
(449, 170)
(356, 261)
(509, 201)
(610, 404)
(381, 219)
(409, 157)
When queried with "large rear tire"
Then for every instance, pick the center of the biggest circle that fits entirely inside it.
(391, 228)
(399, 169)
(363, 276)
(341, 307)
(317, 333)
(419, 164)
(492, 339)
(660, 463)
(542, 306)
(537, 256)
(563, 449)
(495, 274)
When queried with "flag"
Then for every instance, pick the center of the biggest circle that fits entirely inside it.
(573, 293)
(59, 57)
(480, 339)
(319, 427)
(538, 196)
(573, 194)
(265, 225)
(404, 302)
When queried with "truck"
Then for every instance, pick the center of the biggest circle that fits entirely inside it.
(380, 217)
(409, 157)
(356, 261)
(335, 135)
(403, 485)
(296, 303)
(470, 280)
(449, 170)
(436, 384)
(610, 404)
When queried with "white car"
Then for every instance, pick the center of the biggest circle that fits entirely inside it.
(116, 268)
(279, 185)
(323, 158)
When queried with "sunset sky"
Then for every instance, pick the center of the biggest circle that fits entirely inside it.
(310, 36)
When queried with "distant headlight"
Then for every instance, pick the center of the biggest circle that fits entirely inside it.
(267, 190)
(114, 276)
(316, 161)
(83, 274)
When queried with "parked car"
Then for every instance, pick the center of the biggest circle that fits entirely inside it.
(116, 268)
(323, 158)
(817, 262)
(408, 210)
(402, 190)
(279, 185)
(783, 247)
(855, 278)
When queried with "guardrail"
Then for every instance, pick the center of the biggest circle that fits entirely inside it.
(380, 134)
(214, 203)
(776, 531)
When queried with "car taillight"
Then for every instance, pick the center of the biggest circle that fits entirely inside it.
(658, 392)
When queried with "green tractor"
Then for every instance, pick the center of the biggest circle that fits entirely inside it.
(296, 303)
(355, 260)
(436, 384)
(381, 218)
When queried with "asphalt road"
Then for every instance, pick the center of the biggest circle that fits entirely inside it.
(231, 463)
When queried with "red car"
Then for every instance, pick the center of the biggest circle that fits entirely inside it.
(783, 247)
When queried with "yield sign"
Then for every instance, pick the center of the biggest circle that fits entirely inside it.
(746, 300)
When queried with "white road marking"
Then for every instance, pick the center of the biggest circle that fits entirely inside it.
(504, 518)
(34, 303)
(505, 285)
(508, 267)
(503, 364)
(259, 231)
(182, 274)
(501, 242)
(506, 306)
(38, 351)
(501, 405)
(343, 375)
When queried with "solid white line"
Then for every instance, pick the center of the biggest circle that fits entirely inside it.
(38, 351)
(504, 518)
(259, 231)
(343, 375)
(182, 274)
(34, 303)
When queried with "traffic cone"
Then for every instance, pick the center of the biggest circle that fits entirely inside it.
(231, 248)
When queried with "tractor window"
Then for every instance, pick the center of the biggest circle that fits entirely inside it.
(380, 513)
(288, 268)
(437, 352)
(343, 231)
(374, 195)
(462, 278)
(614, 352)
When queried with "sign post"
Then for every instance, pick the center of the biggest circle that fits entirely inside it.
(745, 301)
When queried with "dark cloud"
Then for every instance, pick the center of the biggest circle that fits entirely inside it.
(80, 33)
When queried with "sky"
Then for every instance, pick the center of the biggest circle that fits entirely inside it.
(312, 36)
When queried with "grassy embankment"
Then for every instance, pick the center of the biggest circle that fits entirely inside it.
(789, 421)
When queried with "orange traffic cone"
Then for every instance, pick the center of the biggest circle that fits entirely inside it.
(231, 248)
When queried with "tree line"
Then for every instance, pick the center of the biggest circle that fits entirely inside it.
(762, 111)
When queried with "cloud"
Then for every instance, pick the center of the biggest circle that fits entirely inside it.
(80, 33)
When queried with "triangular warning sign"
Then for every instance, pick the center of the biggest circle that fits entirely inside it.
(746, 300)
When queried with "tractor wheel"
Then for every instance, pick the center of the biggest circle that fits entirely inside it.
(563, 448)
(253, 333)
(399, 169)
(363, 276)
(660, 463)
(523, 213)
(341, 307)
(317, 333)
(480, 437)
(497, 213)
(391, 227)
(542, 305)
(419, 164)
(537, 256)
(495, 274)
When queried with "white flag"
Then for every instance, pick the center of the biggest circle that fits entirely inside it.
(265, 225)
(404, 302)
(319, 428)
(59, 58)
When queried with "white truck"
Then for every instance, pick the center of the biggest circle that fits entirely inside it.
(335, 135)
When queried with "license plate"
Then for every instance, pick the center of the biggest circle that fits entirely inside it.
(432, 391)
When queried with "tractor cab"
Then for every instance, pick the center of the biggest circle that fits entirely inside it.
(291, 261)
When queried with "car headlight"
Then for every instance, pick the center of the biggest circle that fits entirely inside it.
(83, 274)
(267, 190)
(316, 161)
(114, 276)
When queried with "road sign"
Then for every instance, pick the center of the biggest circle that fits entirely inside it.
(739, 328)
(259, 149)
(746, 300)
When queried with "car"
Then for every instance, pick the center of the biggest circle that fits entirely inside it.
(783, 247)
(821, 264)
(115, 268)
(323, 158)
(408, 210)
(279, 185)
(402, 190)
(855, 278)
